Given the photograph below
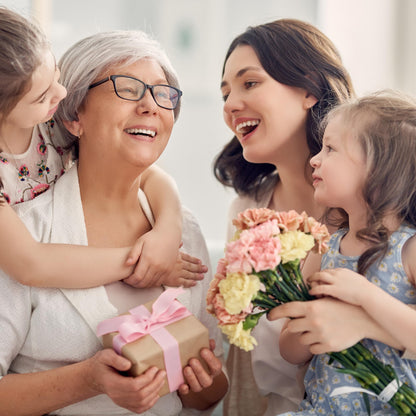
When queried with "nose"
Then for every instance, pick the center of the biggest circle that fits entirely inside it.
(233, 103)
(315, 160)
(147, 103)
(59, 93)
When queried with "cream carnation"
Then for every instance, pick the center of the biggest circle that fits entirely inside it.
(238, 336)
(238, 290)
(295, 245)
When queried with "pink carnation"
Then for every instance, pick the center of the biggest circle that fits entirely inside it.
(289, 221)
(214, 290)
(319, 232)
(252, 217)
(257, 248)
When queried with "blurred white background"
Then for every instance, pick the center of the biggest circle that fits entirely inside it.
(376, 39)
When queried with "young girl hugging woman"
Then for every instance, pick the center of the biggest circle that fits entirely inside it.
(33, 155)
(365, 174)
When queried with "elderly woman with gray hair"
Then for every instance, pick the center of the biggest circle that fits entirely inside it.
(123, 98)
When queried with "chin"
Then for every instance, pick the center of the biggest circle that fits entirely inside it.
(254, 158)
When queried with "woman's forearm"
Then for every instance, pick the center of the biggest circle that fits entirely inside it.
(43, 392)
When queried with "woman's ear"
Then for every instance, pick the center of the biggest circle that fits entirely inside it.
(74, 127)
(309, 101)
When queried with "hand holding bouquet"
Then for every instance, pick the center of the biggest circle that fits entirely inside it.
(261, 270)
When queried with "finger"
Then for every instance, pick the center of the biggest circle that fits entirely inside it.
(212, 344)
(288, 310)
(134, 253)
(109, 357)
(297, 325)
(191, 378)
(194, 268)
(186, 275)
(189, 259)
(323, 289)
(187, 283)
(183, 389)
(150, 382)
(213, 363)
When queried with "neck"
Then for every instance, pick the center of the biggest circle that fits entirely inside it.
(112, 211)
(357, 220)
(295, 191)
(101, 186)
(13, 140)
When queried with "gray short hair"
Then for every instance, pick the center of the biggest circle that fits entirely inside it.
(83, 62)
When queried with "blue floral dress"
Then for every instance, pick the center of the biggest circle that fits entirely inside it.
(321, 377)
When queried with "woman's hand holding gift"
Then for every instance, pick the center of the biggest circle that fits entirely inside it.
(136, 394)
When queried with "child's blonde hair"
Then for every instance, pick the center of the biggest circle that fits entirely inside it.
(384, 123)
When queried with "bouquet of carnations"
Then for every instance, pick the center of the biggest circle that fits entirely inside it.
(261, 269)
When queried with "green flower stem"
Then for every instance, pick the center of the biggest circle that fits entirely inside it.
(285, 284)
(264, 300)
(296, 294)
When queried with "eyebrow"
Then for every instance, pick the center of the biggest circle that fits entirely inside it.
(241, 72)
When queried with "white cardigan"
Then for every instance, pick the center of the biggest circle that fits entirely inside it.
(43, 329)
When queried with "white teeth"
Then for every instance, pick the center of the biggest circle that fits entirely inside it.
(249, 123)
(151, 133)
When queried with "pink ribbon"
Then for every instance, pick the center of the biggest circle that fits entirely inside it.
(165, 310)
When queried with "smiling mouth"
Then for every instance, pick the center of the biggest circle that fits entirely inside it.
(247, 127)
(141, 132)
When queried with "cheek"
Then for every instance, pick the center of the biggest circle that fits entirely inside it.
(227, 118)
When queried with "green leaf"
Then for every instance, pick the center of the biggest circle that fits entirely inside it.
(251, 320)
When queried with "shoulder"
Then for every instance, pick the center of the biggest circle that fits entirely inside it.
(243, 202)
(409, 258)
(35, 214)
(193, 239)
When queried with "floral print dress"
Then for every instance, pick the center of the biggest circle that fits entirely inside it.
(322, 377)
(27, 175)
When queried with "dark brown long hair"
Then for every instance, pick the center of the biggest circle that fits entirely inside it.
(384, 124)
(296, 54)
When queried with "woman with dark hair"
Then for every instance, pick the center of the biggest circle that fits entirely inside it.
(279, 80)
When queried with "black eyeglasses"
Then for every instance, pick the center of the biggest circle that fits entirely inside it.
(132, 89)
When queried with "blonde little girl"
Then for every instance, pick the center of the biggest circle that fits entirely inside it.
(365, 174)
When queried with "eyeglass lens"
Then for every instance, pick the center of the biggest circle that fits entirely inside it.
(134, 89)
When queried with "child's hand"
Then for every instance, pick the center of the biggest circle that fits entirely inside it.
(186, 272)
(343, 284)
(318, 323)
(156, 255)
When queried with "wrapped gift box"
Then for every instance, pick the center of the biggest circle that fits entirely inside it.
(190, 334)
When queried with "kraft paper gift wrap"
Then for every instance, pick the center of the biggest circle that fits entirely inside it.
(161, 333)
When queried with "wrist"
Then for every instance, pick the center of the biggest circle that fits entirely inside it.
(88, 379)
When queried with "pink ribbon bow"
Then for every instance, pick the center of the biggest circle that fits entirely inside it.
(165, 310)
